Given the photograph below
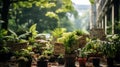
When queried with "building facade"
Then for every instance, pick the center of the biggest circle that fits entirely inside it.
(108, 15)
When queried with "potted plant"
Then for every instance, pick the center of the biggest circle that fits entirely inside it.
(57, 32)
(61, 59)
(24, 58)
(22, 61)
(70, 43)
(94, 50)
(42, 61)
(16, 42)
(109, 50)
(82, 57)
(116, 41)
(5, 54)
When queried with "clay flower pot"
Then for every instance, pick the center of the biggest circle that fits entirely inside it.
(82, 61)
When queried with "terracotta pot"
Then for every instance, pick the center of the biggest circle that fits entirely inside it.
(82, 62)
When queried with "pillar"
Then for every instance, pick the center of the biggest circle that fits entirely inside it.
(106, 24)
(113, 19)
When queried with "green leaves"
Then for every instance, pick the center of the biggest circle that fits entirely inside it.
(52, 15)
(3, 33)
(94, 46)
(70, 42)
(45, 4)
(92, 1)
(111, 46)
(109, 49)
(58, 32)
(66, 6)
(33, 29)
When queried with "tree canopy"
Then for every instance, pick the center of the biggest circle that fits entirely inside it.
(10, 5)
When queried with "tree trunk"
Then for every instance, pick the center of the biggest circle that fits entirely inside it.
(4, 14)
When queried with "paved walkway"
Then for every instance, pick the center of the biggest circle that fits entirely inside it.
(88, 64)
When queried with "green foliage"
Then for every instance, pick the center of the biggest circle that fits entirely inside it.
(70, 42)
(4, 49)
(92, 1)
(117, 27)
(94, 47)
(2, 34)
(42, 12)
(64, 22)
(82, 52)
(33, 30)
(22, 52)
(80, 32)
(109, 49)
(66, 6)
(45, 4)
(61, 56)
(111, 46)
(15, 38)
(58, 32)
(52, 15)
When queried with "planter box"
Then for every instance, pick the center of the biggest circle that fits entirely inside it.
(17, 46)
(59, 49)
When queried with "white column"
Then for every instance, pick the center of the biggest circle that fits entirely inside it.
(102, 24)
(113, 19)
(106, 24)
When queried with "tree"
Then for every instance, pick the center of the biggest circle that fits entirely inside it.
(66, 6)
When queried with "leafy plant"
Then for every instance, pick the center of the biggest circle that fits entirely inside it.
(4, 49)
(2, 34)
(111, 46)
(33, 32)
(70, 42)
(22, 52)
(61, 56)
(13, 37)
(94, 47)
(58, 32)
(60, 59)
(82, 52)
(109, 49)
(79, 32)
